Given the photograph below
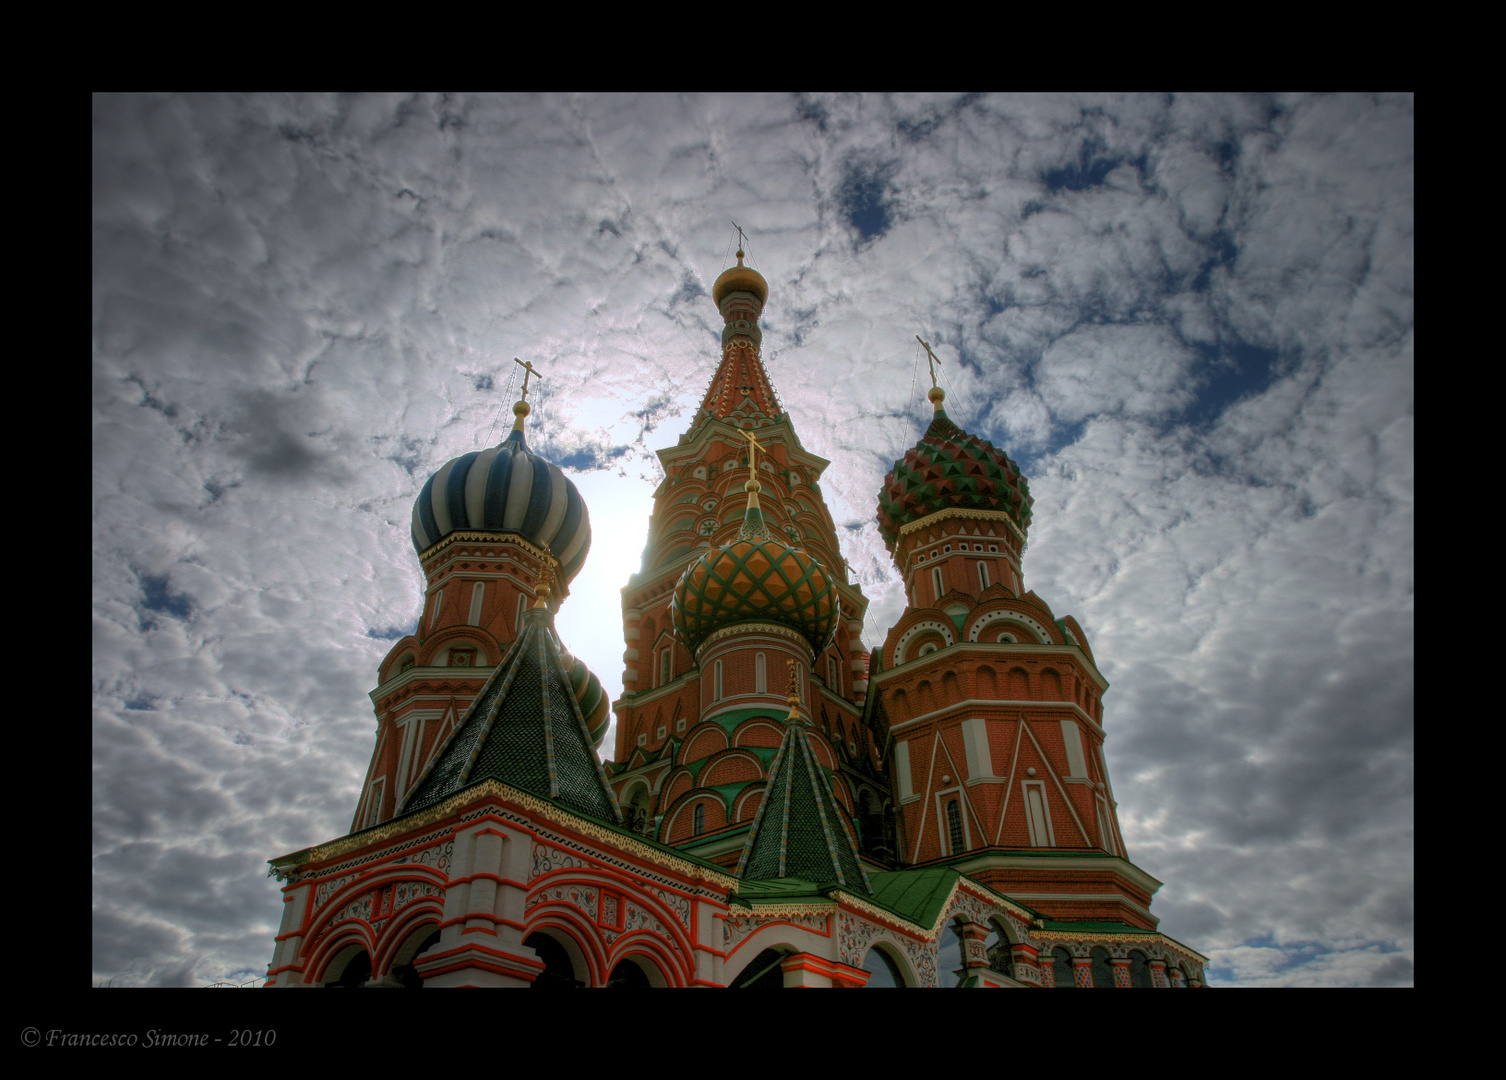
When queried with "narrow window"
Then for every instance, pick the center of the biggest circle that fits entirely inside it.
(832, 669)
(665, 659)
(760, 675)
(517, 626)
(698, 824)
(478, 596)
(800, 681)
(983, 575)
(954, 827)
(716, 687)
(936, 581)
(438, 599)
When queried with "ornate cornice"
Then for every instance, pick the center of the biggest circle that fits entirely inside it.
(961, 512)
(753, 628)
(470, 537)
(541, 808)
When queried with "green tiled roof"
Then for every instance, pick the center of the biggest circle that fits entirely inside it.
(916, 895)
(797, 830)
(526, 729)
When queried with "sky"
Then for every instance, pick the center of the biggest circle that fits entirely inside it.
(1188, 318)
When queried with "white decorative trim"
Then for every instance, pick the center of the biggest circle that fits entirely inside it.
(1015, 616)
(947, 632)
(973, 703)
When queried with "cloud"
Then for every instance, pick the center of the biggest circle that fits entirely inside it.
(1190, 318)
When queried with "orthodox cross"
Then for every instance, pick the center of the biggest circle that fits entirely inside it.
(930, 356)
(528, 369)
(742, 237)
(754, 446)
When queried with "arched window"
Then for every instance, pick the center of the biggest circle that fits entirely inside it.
(983, 575)
(1061, 969)
(434, 615)
(1103, 971)
(883, 972)
(698, 820)
(760, 674)
(478, 598)
(1140, 971)
(936, 582)
(716, 681)
(954, 827)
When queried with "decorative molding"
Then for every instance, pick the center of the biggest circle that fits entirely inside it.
(959, 512)
(752, 627)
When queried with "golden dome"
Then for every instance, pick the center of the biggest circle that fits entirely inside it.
(740, 278)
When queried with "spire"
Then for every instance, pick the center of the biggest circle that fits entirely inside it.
(525, 728)
(798, 832)
(740, 392)
(522, 409)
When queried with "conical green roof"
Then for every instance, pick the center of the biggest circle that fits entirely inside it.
(525, 728)
(798, 832)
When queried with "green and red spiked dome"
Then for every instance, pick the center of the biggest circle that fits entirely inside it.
(755, 578)
(950, 469)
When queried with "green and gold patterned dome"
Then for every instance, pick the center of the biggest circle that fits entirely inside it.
(755, 578)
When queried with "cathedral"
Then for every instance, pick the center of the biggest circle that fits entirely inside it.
(783, 807)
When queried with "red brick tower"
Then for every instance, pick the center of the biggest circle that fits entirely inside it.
(701, 716)
(993, 705)
(482, 527)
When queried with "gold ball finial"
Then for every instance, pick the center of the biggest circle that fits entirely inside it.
(753, 487)
(522, 408)
(937, 395)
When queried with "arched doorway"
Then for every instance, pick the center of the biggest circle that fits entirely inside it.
(354, 971)
(559, 971)
(883, 972)
(763, 973)
(404, 972)
(627, 975)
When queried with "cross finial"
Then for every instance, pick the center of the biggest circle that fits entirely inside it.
(741, 239)
(754, 446)
(931, 359)
(528, 369)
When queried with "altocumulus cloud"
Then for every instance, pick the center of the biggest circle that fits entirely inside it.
(1190, 319)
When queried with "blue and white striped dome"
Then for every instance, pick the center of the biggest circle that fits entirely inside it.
(507, 488)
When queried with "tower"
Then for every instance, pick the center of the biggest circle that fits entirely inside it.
(742, 577)
(783, 808)
(992, 705)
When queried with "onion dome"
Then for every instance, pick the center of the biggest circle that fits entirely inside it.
(507, 488)
(950, 469)
(740, 278)
(592, 699)
(756, 577)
